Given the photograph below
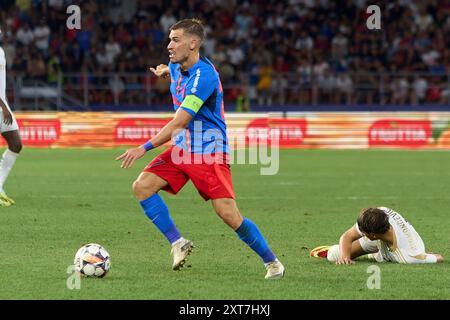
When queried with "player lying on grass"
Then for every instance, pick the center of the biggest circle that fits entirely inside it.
(383, 235)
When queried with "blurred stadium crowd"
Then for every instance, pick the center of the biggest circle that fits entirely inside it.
(267, 52)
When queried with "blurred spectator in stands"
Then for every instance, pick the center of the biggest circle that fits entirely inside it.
(265, 83)
(53, 69)
(235, 55)
(419, 90)
(84, 38)
(21, 61)
(56, 4)
(103, 58)
(399, 88)
(25, 35)
(344, 86)
(437, 67)
(167, 20)
(319, 69)
(112, 48)
(365, 84)
(445, 95)
(327, 86)
(304, 42)
(41, 35)
(244, 22)
(242, 99)
(36, 67)
(253, 78)
(304, 71)
(422, 18)
(280, 80)
(339, 46)
(434, 91)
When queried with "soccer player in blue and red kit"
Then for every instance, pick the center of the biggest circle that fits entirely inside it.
(198, 102)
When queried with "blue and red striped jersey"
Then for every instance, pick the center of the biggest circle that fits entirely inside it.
(207, 129)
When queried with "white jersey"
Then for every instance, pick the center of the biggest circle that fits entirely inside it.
(5, 127)
(2, 74)
(408, 246)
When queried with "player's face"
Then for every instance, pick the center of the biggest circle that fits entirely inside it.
(179, 46)
(371, 236)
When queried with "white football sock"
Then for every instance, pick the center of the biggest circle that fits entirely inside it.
(333, 253)
(6, 163)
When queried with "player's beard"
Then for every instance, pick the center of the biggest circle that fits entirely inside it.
(180, 60)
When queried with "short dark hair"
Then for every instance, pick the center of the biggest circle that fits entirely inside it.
(191, 26)
(373, 220)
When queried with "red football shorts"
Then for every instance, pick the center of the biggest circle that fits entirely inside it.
(212, 180)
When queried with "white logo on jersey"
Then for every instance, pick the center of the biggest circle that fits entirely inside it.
(197, 76)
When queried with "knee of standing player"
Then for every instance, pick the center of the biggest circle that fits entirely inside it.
(15, 147)
(226, 209)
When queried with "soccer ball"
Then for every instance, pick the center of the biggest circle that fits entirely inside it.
(92, 260)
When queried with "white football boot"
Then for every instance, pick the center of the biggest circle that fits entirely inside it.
(180, 250)
(275, 270)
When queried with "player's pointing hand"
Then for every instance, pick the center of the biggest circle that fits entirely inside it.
(130, 156)
(161, 70)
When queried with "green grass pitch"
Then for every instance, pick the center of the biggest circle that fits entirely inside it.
(65, 198)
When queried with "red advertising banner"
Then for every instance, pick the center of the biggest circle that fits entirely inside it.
(138, 130)
(400, 133)
(291, 132)
(39, 132)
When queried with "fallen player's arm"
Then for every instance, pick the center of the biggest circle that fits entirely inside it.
(439, 258)
(345, 245)
(426, 258)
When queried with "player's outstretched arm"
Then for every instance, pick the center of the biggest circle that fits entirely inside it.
(345, 245)
(178, 123)
(439, 258)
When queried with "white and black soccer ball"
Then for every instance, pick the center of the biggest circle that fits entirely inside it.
(92, 260)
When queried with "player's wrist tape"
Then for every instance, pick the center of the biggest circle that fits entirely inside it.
(148, 146)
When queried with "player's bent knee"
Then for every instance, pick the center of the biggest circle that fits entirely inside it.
(142, 190)
(16, 148)
(147, 185)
